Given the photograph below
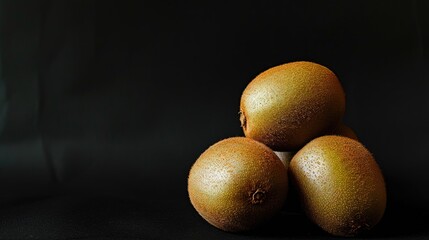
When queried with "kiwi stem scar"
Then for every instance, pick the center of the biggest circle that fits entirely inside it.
(258, 196)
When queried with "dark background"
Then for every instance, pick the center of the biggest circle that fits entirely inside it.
(105, 105)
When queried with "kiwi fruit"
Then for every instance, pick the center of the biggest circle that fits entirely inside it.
(288, 105)
(237, 184)
(344, 130)
(340, 185)
(285, 157)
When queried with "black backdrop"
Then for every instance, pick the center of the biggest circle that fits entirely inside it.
(105, 105)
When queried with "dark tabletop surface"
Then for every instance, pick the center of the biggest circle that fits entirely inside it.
(105, 106)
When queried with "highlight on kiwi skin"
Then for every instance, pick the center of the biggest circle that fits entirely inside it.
(238, 184)
(340, 185)
(288, 105)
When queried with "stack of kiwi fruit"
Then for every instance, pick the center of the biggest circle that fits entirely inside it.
(291, 116)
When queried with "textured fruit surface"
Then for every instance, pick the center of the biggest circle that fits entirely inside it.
(237, 184)
(340, 185)
(288, 105)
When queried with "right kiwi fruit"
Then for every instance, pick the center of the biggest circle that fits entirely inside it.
(340, 185)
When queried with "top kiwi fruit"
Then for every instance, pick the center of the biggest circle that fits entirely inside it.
(288, 105)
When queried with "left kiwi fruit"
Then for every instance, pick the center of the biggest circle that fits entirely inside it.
(237, 184)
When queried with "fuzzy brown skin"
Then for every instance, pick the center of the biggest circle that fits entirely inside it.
(341, 187)
(237, 184)
(288, 105)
